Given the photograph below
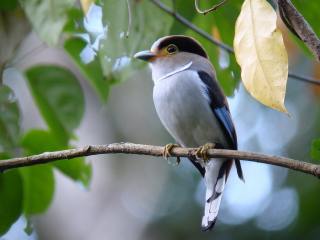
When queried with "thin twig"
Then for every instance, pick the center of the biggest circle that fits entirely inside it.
(32, 51)
(157, 151)
(221, 45)
(304, 79)
(299, 26)
(129, 19)
(193, 27)
(213, 8)
(2, 66)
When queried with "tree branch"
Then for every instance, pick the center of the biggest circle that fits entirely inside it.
(221, 45)
(157, 151)
(299, 26)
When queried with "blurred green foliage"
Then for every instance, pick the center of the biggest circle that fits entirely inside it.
(11, 199)
(48, 18)
(315, 149)
(92, 71)
(60, 99)
(38, 188)
(9, 119)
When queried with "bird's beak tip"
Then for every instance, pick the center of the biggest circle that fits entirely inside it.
(144, 55)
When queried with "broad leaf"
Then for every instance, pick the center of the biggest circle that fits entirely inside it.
(315, 149)
(38, 141)
(48, 17)
(74, 25)
(261, 53)
(10, 200)
(8, 5)
(85, 4)
(38, 188)
(59, 97)
(77, 169)
(92, 70)
(188, 10)
(13, 29)
(123, 40)
(38, 181)
(4, 155)
(9, 119)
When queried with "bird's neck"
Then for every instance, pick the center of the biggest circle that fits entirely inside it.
(163, 72)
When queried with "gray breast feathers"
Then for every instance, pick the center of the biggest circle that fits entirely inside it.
(182, 103)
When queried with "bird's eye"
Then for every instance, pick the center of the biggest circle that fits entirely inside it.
(172, 49)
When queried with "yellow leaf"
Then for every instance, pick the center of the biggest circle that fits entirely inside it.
(261, 53)
(85, 4)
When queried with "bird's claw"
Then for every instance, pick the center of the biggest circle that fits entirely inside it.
(202, 152)
(167, 152)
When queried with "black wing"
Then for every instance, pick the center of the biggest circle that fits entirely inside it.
(220, 109)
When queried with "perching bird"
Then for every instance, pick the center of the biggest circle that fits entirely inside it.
(193, 109)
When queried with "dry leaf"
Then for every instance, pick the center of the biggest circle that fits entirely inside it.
(85, 4)
(261, 53)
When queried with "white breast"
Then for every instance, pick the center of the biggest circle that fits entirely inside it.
(182, 104)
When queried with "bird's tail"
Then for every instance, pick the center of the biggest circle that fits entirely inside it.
(215, 178)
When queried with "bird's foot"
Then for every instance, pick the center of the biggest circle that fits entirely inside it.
(202, 152)
(167, 152)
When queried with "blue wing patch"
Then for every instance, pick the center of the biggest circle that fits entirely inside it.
(220, 109)
(224, 117)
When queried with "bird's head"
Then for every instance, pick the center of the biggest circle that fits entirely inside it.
(169, 47)
(171, 52)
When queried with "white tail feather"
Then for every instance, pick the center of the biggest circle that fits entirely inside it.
(214, 190)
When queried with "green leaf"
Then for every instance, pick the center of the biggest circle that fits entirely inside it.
(8, 5)
(116, 50)
(92, 71)
(10, 200)
(189, 12)
(315, 149)
(48, 17)
(75, 21)
(59, 97)
(13, 29)
(9, 119)
(38, 188)
(77, 169)
(37, 141)
(229, 77)
(4, 155)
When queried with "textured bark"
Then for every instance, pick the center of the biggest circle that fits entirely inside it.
(297, 24)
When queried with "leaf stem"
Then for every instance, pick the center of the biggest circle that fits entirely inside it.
(213, 8)
(129, 19)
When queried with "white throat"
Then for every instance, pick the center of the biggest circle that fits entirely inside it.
(184, 67)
